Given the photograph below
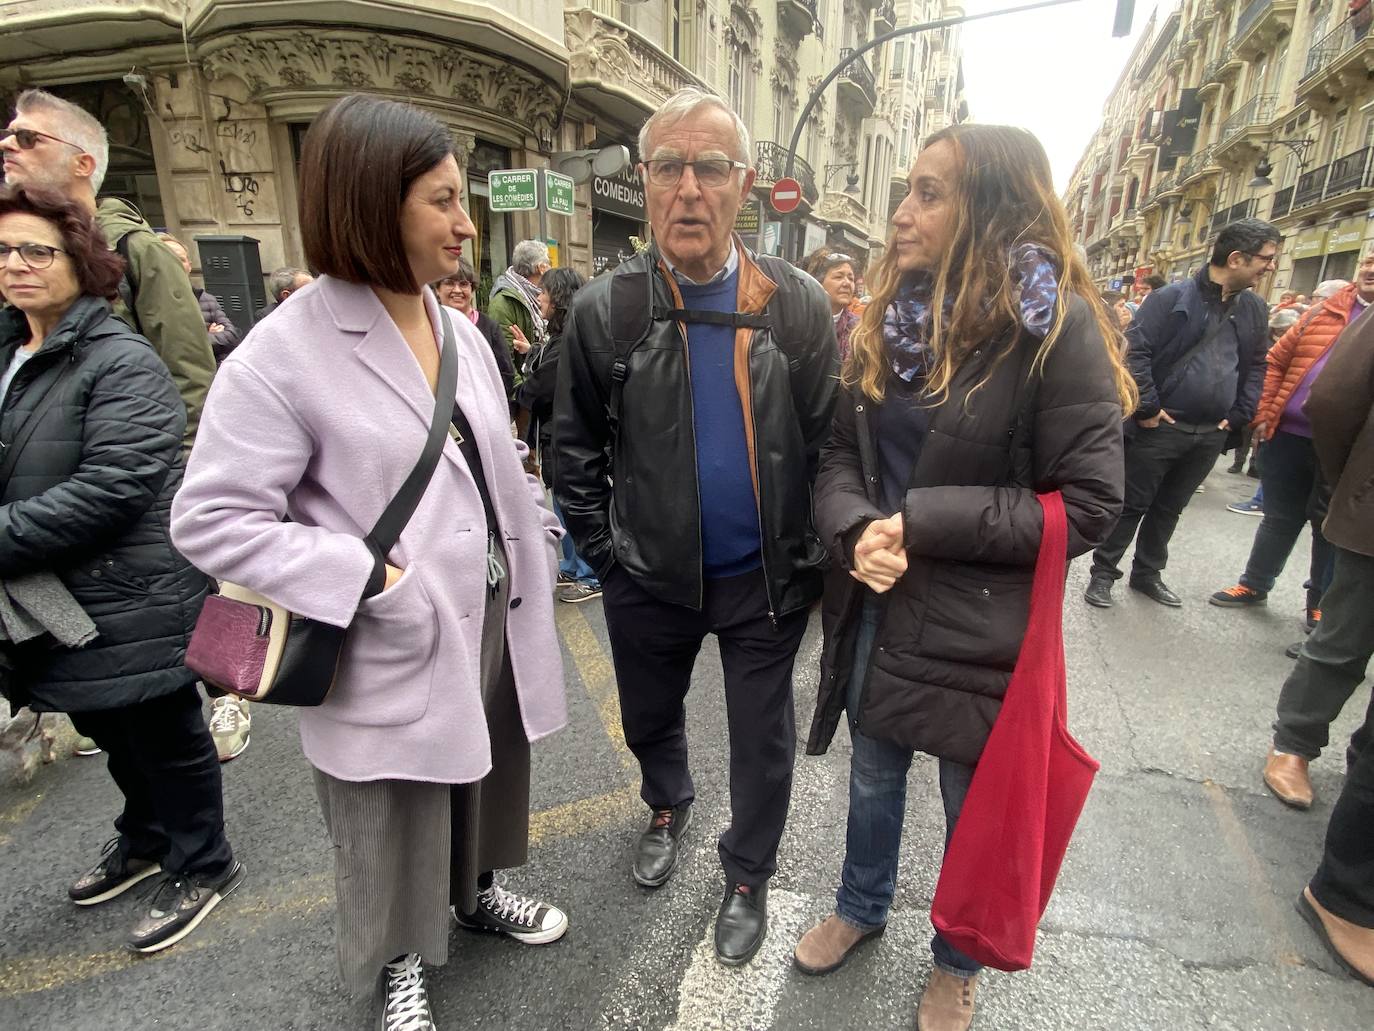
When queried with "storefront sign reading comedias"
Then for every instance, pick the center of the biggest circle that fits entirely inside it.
(514, 189)
(621, 194)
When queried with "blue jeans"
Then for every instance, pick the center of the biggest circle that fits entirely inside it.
(877, 807)
(571, 566)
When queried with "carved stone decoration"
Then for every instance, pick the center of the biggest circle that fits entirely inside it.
(610, 55)
(285, 62)
(820, 120)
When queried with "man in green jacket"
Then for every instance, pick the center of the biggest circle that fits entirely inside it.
(514, 303)
(55, 144)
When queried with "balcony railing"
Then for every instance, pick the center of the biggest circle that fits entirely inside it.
(858, 72)
(1283, 203)
(1203, 159)
(1258, 111)
(798, 15)
(1226, 216)
(1351, 172)
(1213, 73)
(1332, 45)
(1311, 186)
(885, 15)
(771, 159)
(1250, 15)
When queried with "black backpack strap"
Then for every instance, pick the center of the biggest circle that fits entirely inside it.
(392, 521)
(128, 285)
(632, 316)
(733, 319)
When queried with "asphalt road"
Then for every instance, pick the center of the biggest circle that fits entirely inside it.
(1174, 910)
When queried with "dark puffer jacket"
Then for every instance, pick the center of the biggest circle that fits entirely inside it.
(89, 497)
(954, 622)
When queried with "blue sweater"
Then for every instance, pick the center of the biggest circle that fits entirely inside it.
(730, 542)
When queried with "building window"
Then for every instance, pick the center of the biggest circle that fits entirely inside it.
(898, 57)
(741, 82)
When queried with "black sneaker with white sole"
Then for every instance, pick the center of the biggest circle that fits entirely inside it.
(111, 877)
(503, 912)
(406, 1004)
(178, 905)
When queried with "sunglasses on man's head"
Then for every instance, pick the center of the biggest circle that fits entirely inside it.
(28, 138)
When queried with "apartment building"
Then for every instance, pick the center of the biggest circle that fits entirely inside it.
(1230, 108)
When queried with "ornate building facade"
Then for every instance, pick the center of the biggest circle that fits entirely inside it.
(1231, 108)
(207, 101)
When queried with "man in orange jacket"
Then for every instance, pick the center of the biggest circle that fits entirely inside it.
(1294, 493)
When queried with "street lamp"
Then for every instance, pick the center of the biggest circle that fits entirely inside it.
(1265, 167)
(851, 181)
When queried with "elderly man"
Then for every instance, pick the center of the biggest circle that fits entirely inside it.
(224, 335)
(514, 300)
(281, 284)
(1196, 349)
(53, 143)
(694, 393)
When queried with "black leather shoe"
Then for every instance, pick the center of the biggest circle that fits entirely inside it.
(1099, 592)
(1293, 650)
(741, 924)
(1156, 591)
(656, 854)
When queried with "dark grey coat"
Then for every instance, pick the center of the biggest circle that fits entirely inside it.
(88, 496)
(954, 622)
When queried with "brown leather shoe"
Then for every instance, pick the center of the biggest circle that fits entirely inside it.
(1351, 944)
(829, 944)
(947, 1004)
(1286, 776)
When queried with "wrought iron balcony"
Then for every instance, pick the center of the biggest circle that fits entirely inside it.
(1335, 52)
(797, 17)
(856, 81)
(1352, 172)
(885, 17)
(1311, 186)
(1257, 113)
(769, 161)
(1262, 21)
(1203, 161)
(1226, 216)
(1283, 203)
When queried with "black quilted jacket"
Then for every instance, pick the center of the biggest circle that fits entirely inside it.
(88, 495)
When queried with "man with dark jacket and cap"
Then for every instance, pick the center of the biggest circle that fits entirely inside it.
(694, 392)
(1196, 349)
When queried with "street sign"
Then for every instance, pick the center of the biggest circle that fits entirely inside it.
(785, 196)
(558, 193)
(513, 189)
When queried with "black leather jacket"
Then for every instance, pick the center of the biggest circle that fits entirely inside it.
(632, 497)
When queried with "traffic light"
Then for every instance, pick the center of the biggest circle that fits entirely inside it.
(1125, 10)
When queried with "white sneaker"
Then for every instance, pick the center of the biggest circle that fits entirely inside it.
(229, 726)
(407, 1002)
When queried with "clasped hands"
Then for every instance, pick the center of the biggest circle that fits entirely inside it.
(880, 554)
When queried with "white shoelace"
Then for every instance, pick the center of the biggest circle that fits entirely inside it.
(407, 1005)
(508, 906)
(225, 718)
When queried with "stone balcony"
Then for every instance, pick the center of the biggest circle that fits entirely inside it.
(35, 29)
(1338, 67)
(1261, 24)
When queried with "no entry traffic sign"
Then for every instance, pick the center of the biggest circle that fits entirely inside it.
(785, 196)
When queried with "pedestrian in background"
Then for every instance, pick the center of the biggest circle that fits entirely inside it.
(835, 270)
(281, 284)
(1147, 286)
(458, 292)
(1294, 492)
(577, 581)
(986, 371)
(1196, 350)
(224, 335)
(421, 751)
(93, 426)
(514, 300)
(1115, 301)
(688, 424)
(1333, 660)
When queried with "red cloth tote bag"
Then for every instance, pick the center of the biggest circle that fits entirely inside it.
(1027, 792)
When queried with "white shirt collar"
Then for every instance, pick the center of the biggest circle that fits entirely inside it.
(728, 270)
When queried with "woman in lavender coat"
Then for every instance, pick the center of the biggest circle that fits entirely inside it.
(421, 751)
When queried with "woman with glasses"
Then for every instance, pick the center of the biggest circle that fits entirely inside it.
(986, 371)
(835, 272)
(93, 425)
(458, 292)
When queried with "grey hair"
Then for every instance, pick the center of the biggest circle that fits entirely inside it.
(683, 103)
(1328, 287)
(76, 125)
(284, 278)
(527, 256)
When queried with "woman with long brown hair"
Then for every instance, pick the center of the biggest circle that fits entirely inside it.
(985, 371)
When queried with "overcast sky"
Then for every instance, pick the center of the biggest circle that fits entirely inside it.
(1048, 71)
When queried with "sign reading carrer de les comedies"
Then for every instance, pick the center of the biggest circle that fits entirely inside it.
(513, 189)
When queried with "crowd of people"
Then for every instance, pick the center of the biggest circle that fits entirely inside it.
(711, 441)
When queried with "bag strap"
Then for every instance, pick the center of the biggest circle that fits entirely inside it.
(1180, 367)
(631, 321)
(392, 521)
(128, 286)
(13, 448)
(1047, 590)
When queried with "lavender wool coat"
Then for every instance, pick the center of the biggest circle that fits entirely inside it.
(319, 415)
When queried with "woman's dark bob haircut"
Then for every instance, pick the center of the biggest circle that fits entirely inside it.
(98, 269)
(361, 156)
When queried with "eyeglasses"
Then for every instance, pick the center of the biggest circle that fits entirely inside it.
(708, 172)
(28, 138)
(1266, 258)
(837, 259)
(34, 255)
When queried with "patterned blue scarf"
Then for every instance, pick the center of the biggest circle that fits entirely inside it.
(906, 324)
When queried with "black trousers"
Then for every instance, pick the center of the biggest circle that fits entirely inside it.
(654, 646)
(162, 758)
(1332, 664)
(1294, 496)
(1164, 467)
(1344, 882)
